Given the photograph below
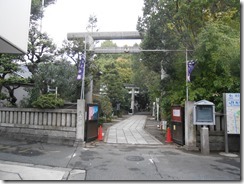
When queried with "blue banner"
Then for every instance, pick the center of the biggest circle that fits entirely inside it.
(81, 67)
(191, 65)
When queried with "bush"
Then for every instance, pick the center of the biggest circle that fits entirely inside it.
(48, 101)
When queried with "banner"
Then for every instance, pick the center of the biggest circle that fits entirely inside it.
(191, 65)
(81, 67)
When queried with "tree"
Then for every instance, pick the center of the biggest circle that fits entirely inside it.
(36, 8)
(218, 54)
(113, 85)
(178, 25)
(40, 49)
(148, 81)
(60, 74)
(92, 24)
(8, 77)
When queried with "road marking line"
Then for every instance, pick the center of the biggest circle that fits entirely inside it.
(151, 160)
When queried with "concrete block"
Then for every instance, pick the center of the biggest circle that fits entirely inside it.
(204, 136)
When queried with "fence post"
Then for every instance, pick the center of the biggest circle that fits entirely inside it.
(190, 130)
(80, 127)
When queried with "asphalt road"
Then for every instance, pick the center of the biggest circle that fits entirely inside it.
(122, 162)
(126, 162)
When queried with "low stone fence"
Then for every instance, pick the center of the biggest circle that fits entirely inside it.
(48, 125)
(217, 136)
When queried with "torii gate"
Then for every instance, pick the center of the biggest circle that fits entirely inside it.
(91, 37)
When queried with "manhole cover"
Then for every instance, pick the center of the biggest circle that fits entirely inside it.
(134, 158)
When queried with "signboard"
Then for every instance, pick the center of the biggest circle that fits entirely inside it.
(204, 113)
(92, 112)
(176, 114)
(177, 124)
(232, 111)
(91, 126)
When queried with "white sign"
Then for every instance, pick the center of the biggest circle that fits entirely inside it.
(232, 111)
(176, 112)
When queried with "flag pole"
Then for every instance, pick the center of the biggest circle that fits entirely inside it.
(83, 77)
(186, 75)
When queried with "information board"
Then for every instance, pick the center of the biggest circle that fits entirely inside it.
(232, 111)
(204, 113)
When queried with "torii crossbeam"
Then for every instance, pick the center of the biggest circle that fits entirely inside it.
(122, 35)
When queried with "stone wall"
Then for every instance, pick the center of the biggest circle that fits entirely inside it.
(49, 125)
(217, 136)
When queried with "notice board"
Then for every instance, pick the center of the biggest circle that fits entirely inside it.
(232, 112)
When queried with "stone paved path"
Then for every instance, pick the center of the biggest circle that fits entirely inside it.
(130, 131)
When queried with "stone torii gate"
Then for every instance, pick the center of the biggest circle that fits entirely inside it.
(90, 38)
(190, 136)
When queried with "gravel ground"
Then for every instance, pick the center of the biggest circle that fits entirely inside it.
(151, 127)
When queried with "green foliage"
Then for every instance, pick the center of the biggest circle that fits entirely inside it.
(115, 72)
(9, 78)
(40, 49)
(147, 80)
(48, 101)
(211, 29)
(33, 94)
(113, 85)
(218, 52)
(36, 8)
(106, 107)
(3, 96)
(60, 74)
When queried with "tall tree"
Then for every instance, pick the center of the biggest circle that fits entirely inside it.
(41, 49)
(178, 25)
(113, 85)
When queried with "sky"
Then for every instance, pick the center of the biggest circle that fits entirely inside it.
(67, 16)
